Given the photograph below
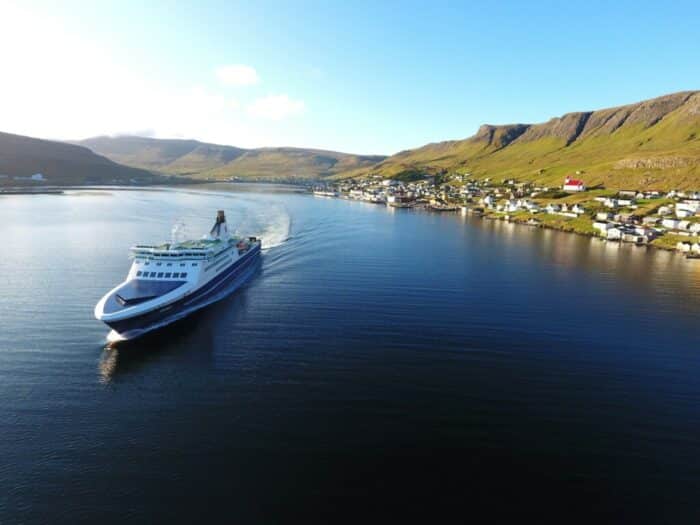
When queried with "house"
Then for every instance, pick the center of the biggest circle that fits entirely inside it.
(627, 193)
(613, 234)
(552, 208)
(633, 237)
(578, 209)
(602, 226)
(650, 220)
(664, 210)
(603, 216)
(573, 184)
(488, 201)
(691, 206)
(511, 206)
(671, 224)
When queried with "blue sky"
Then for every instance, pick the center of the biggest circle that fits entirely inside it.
(366, 77)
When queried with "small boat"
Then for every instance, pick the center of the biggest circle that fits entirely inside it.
(170, 281)
(444, 207)
(325, 193)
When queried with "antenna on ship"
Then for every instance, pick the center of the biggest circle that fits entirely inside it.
(219, 229)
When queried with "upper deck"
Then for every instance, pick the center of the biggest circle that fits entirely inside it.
(193, 249)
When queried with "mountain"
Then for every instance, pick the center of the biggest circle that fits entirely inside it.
(650, 144)
(202, 160)
(61, 164)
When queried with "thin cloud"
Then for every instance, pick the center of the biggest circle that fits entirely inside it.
(276, 107)
(237, 75)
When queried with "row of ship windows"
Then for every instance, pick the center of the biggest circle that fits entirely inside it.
(168, 275)
(167, 264)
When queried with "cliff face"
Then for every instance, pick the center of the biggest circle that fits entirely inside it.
(655, 142)
(500, 136)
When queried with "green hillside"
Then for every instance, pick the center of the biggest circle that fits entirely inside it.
(650, 144)
(61, 164)
(202, 160)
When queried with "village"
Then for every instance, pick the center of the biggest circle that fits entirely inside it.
(668, 220)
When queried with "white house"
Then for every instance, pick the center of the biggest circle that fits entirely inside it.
(602, 226)
(613, 234)
(671, 224)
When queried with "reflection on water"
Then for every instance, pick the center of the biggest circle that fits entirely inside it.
(642, 271)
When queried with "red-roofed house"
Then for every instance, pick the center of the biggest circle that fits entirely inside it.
(573, 184)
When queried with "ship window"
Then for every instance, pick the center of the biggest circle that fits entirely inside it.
(160, 274)
(147, 263)
(159, 264)
(138, 274)
(169, 264)
(182, 264)
(183, 275)
(153, 274)
(194, 264)
(167, 275)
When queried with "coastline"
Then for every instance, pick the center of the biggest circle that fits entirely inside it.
(581, 225)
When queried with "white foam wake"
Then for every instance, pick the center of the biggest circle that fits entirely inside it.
(272, 223)
(277, 231)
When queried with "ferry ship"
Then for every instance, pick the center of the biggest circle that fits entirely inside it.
(170, 281)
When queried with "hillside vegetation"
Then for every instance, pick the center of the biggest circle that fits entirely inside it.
(653, 144)
(61, 164)
(202, 160)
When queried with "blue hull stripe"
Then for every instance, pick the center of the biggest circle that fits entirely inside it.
(215, 290)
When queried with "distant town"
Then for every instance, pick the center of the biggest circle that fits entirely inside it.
(668, 220)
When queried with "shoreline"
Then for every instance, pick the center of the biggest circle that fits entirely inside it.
(523, 221)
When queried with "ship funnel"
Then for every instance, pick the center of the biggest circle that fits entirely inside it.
(219, 229)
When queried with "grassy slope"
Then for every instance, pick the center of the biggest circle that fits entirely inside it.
(201, 160)
(655, 144)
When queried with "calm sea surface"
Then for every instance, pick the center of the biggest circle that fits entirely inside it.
(382, 364)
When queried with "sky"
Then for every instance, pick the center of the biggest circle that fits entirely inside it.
(363, 77)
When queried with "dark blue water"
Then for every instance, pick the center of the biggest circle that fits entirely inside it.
(382, 365)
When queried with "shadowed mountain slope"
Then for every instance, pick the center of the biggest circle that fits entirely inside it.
(61, 164)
